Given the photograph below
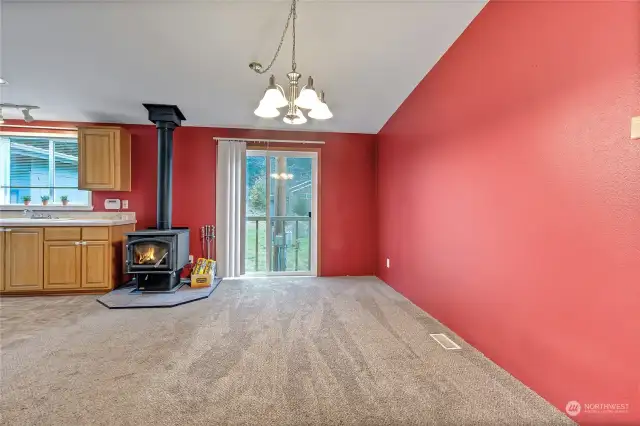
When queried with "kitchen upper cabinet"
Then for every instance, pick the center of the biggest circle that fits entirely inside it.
(104, 161)
(23, 259)
(62, 264)
(95, 264)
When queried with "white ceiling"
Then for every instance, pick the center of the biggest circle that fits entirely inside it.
(100, 60)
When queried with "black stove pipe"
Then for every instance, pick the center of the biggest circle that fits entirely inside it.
(166, 119)
(165, 174)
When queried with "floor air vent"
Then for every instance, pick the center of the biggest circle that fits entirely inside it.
(444, 341)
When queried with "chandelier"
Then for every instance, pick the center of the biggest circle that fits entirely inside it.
(294, 99)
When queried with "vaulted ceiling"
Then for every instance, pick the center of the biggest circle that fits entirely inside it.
(99, 60)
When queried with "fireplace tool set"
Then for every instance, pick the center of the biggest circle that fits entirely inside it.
(207, 238)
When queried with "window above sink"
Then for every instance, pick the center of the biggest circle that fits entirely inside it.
(40, 165)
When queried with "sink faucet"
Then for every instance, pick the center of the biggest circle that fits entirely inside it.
(35, 215)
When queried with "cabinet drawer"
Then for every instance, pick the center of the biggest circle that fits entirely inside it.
(62, 233)
(95, 233)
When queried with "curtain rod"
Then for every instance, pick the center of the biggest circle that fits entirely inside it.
(270, 140)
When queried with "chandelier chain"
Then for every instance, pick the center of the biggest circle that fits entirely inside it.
(293, 55)
(292, 13)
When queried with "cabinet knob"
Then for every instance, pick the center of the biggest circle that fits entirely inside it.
(78, 243)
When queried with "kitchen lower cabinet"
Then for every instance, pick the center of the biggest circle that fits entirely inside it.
(61, 259)
(23, 257)
(62, 264)
(2, 260)
(95, 264)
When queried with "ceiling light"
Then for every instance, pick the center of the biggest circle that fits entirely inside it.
(308, 98)
(26, 111)
(283, 176)
(321, 110)
(27, 115)
(295, 117)
(3, 82)
(276, 97)
(265, 110)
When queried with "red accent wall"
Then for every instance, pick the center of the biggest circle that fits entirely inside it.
(509, 197)
(347, 221)
(347, 192)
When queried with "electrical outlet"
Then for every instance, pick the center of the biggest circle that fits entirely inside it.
(388, 263)
(125, 204)
(190, 258)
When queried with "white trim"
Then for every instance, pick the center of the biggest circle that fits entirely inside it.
(269, 141)
(314, 214)
(69, 208)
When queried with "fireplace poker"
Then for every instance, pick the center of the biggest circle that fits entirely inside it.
(202, 240)
(207, 237)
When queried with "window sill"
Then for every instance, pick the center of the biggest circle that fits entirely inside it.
(56, 207)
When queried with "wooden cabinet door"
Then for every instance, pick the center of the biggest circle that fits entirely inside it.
(62, 264)
(97, 158)
(2, 259)
(95, 264)
(23, 259)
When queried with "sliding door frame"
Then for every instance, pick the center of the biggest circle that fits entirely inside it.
(292, 151)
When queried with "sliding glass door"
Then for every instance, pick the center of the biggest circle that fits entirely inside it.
(281, 213)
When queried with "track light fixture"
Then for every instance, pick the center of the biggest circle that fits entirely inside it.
(25, 109)
(27, 115)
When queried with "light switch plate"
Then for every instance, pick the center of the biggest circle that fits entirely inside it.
(125, 204)
(112, 204)
(635, 127)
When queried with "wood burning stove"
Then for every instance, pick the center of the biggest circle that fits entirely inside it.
(156, 256)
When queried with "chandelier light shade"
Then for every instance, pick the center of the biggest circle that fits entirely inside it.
(308, 97)
(294, 98)
(296, 118)
(321, 110)
(274, 95)
(265, 110)
(283, 176)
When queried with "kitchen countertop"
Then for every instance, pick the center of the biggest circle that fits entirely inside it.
(22, 221)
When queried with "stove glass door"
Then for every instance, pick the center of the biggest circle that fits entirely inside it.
(151, 253)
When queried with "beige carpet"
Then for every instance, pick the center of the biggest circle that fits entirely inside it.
(287, 351)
